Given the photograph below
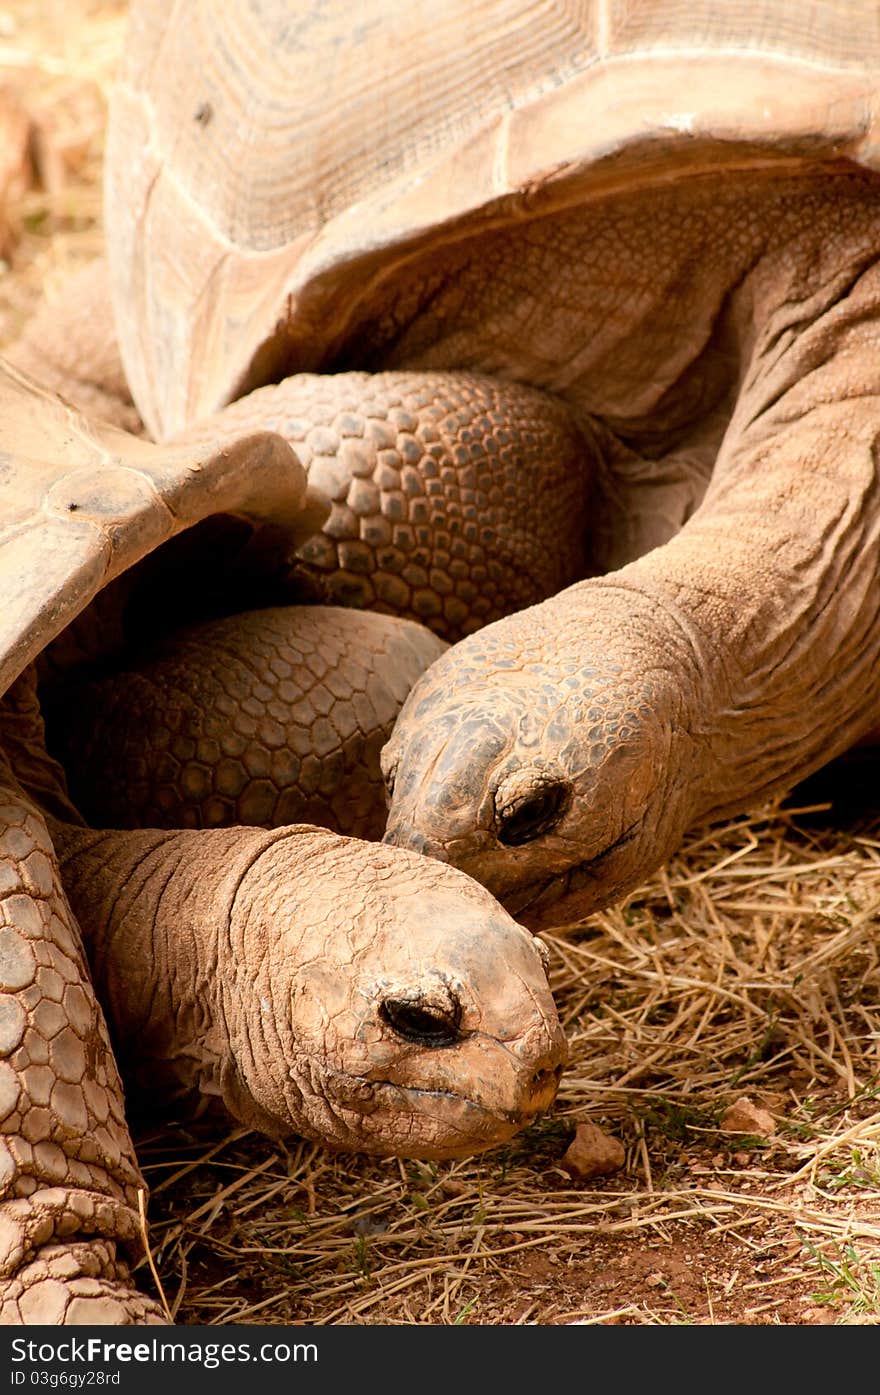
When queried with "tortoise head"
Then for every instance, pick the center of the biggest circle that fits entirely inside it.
(395, 1007)
(548, 756)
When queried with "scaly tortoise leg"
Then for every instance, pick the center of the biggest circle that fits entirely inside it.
(272, 717)
(456, 497)
(69, 1212)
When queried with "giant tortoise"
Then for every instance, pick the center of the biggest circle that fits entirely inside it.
(304, 981)
(662, 219)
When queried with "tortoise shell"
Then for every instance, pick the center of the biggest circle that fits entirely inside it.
(269, 165)
(81, 502)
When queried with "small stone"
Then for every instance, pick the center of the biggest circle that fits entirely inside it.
(820, 1317)
(744, 1116)
(593, 1153)
(453, 1186)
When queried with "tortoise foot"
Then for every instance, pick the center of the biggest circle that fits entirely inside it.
(76, 1285)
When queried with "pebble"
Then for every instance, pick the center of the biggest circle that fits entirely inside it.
(744, 1116)
(593, 1153)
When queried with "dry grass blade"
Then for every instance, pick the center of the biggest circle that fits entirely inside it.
(142, 1216)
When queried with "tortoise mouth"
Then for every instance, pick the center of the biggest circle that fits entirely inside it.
(540, 895)
(359, 1093)
(517, 1117)
(437, 1123)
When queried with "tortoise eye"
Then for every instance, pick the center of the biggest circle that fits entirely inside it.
(424, 1026)
(533, 816)
(389, 771)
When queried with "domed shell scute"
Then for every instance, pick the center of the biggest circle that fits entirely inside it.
(267, 164)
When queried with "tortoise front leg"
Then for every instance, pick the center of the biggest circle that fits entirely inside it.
(456, 498)
(68, 1205)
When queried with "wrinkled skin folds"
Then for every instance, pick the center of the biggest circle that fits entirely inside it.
(302, 978)
(559, 755)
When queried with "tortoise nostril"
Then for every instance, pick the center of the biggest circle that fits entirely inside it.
(398, 835)
(402, 837)
(546, 1076)
(423, 1024)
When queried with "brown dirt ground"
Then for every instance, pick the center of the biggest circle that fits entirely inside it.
(747, 967)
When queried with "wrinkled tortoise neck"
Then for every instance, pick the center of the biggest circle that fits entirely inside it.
(157, 913)
(776, 574)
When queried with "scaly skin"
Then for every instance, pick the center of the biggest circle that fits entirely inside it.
(559, 755)
(738, 654)
(267, 718)
(81, 504)
(455, 497)
(69, 1222)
